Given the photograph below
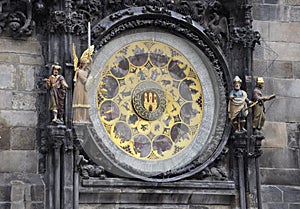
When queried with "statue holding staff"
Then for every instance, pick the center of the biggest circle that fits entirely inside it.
(259, 107)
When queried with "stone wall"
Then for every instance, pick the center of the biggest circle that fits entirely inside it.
(20, 185)
(277, 59)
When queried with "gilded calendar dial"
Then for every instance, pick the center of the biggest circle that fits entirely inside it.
(150, 100)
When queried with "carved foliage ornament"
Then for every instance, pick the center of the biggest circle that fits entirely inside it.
(210, 14)
(74, 17)
(245, 36)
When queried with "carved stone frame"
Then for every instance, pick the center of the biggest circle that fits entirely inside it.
(141, 17)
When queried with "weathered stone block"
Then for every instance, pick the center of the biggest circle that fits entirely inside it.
(18, 118)
(283, 109)
(291, 194)
(296, 70)
(271, 194)
(198, 198)
(275, 135)
(31, 59)
(265, 12)
(4, 138)
(276, 206)
(280, 69)
(276, 176)
(9, 57)
(23, 101)
(19, 161)
(17, 190)
(271, 1)
(258, 1)
(22, 138)
(287, 87)
(285, 50)
(7, 76)
(294, 14)
(284, 13)
(26, 78)
(259, 52)
(259, 66)
(36, 205)
(293, 138)
(37, 193)
(279, 158)
(294, 3)
(4, 193)
(284, 32)
(5, 103)
(294, 206)
(20, 46)
(5, 205)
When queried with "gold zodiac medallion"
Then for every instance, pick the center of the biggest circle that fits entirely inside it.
(150, 100)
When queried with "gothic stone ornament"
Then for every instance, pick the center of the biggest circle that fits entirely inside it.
(191, 79)
(209, 13)
(245, 36)
(16, 17)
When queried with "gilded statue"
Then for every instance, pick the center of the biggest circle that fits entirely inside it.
(259, 107)
(57, 86)
(80, 97)
(237, 107)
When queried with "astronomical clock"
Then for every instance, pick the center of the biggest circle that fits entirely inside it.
(155, 107)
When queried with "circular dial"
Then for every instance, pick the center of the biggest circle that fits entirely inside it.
(150, 100)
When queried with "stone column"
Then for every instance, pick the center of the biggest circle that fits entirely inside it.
(240, 149)
(56, 139)
(79, 133)
(67, 171)
(257, 153)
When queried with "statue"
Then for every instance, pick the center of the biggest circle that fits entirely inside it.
(259, 107)
(237, 106)
(56, 84)
(80, 98)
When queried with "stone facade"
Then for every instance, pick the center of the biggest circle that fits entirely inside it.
(22, 182)
(277, 59)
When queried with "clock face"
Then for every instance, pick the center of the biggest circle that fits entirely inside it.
(155, 103)
(150, 100)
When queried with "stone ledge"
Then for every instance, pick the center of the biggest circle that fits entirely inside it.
(192, 192)
(151, 206)
(182, 184)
